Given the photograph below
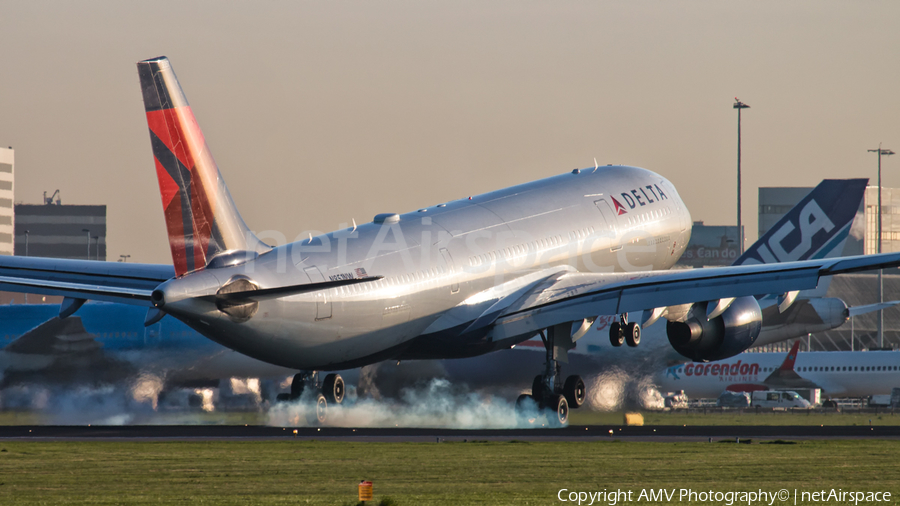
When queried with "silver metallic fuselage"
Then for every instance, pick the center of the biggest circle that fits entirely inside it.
(442, 267)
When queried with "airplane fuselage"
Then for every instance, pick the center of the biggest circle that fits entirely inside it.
(441, 267)
(838, 373)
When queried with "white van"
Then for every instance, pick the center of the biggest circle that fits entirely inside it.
(778, 399)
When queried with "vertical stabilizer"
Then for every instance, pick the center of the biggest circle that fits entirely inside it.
(785, 376)
(817, 227)
(791, 358)
(201, 219)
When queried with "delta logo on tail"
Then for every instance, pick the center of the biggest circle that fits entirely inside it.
(815, 227)
(200, 217)
(620, 209)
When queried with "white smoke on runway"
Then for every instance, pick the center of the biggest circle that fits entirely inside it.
(79, 405)
(435, 404)
(134, 402)
(616, 389)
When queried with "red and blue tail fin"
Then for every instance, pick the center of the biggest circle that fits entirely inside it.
(201, 219)
(791, 358)
(785, 376)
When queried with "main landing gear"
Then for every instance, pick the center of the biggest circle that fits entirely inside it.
(624, 332)
(548, 392)
(329, 391)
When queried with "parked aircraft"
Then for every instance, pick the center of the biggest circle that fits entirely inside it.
(107, 343)
(458, 279)
(837, 373)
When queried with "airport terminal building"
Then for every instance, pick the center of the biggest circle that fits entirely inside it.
(61, 231)
(7, 193)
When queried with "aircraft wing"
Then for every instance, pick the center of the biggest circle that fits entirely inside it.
(83, 279)
(574, 297)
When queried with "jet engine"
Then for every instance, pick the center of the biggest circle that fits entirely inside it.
(701, 339)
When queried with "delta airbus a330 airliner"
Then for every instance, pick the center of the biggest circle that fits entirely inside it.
(457, 279)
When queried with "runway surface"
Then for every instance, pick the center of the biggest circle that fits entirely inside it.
(661, 433)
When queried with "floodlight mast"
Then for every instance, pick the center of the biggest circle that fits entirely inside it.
(878, 236)
(739, 105)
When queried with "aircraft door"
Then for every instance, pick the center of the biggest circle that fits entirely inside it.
(611, 222)
(323, 305)
(454, 288)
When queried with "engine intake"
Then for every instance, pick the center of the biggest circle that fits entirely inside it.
(724, 336)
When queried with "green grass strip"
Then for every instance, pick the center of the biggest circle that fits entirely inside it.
(450, 473)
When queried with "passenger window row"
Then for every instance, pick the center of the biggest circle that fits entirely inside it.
(845, 368)
(517, 250)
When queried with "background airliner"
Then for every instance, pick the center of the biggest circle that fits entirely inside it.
(837, 373)
(107, 343)
(453, 280)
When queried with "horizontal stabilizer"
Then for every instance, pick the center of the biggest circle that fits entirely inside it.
(868, 308)
(77, 290)
(130, 283)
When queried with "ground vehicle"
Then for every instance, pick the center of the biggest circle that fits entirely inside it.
(730, 399)
(778, 399)
(676, 400)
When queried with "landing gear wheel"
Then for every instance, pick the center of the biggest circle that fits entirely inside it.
(575, 391)
(333, 388)
(321, 409)
(297, 385)
(524, 402)
(537, 388)
(616, 336)
(525, 409)
(633, 334)
(557, 411)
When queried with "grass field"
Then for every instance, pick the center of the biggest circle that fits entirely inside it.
(311, 472)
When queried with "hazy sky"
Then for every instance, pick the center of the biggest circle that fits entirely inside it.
(319, 112)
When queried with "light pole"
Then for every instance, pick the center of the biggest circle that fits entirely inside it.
(886, 152)
(97, 248)
(739, 105)
(26, 243)
(124, 258)
(88, 242)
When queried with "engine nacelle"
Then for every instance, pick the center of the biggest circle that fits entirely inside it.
(724, 336)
